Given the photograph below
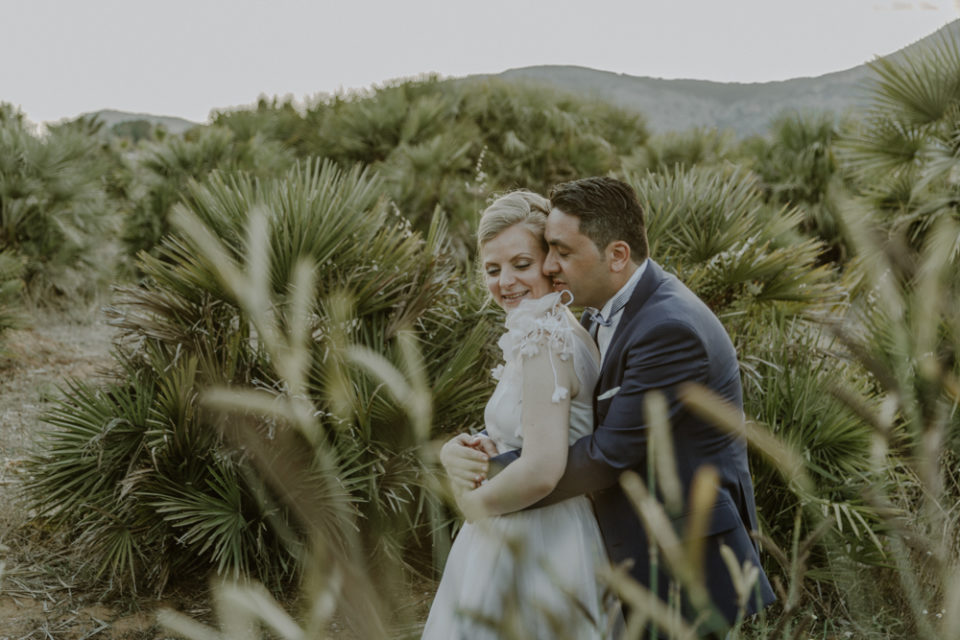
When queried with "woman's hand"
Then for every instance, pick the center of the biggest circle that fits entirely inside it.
(466, 459)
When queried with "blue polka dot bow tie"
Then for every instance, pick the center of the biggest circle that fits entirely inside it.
(592, 315)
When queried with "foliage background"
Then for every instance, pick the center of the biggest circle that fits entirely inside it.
(828, 247)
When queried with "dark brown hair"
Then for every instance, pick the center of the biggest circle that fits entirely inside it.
(608, 210)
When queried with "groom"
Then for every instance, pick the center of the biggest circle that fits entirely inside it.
(653, 334)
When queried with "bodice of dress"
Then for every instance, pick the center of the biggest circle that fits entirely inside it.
(543, 323)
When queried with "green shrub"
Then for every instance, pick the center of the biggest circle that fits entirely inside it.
(665, 152)
(163, 169)
(11, 268)
(55, 209)
(154, 485)
(453, 144)
(713, 228)
(793, 395)
(798, 167)
(904, 155)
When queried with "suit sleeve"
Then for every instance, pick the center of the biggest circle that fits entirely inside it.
(662, 358)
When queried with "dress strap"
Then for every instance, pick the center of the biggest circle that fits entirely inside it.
(537, 324)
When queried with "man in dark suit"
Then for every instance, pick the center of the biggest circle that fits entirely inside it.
(654, 334)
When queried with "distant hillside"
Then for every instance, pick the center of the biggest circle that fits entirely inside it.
(674, 105)
(170, 123)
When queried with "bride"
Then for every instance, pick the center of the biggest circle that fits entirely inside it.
(530, 571)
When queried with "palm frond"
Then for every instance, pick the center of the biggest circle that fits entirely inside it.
(202, 485)
(919, 87)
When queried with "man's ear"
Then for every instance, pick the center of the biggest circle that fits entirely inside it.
(618, 255)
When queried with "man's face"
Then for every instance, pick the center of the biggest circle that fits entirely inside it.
(574, 262)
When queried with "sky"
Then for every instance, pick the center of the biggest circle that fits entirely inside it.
(61, 58)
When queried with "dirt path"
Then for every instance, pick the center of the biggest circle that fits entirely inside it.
(39, 594)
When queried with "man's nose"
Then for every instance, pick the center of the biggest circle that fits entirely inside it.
(550, 265)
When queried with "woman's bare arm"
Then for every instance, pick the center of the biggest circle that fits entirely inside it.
(545, 426)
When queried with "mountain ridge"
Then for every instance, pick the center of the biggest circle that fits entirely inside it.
(678, 104)
(745, 108)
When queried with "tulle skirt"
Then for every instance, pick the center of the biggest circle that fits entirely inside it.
(533, 572)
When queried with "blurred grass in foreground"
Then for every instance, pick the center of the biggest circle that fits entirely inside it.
(906, 337)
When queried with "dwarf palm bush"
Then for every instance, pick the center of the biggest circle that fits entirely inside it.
(713, 228)
(55, 211)
(798, 168)
(797, 161)
(792, 395)
(667, 151)
(414, 134)
(905, 154)
(367, 126)
(10, 114)
(155, 485)
(852, 440)
(903, 331)
(452, 144)
(275, 120)
(11, 267)
(537, 136)
(163, 169)
(904, 157)
(924, 286)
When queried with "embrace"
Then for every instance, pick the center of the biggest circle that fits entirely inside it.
(540, 488)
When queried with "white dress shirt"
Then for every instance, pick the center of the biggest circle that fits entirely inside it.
(605, 334)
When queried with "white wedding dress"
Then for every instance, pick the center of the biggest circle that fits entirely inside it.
(533, 571)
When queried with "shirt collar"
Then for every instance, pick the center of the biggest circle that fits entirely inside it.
(616, 304)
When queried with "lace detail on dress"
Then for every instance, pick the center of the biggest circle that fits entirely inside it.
(535, 324)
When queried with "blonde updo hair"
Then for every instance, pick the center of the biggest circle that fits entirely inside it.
(521, 207)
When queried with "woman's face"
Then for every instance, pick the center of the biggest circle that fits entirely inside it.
(513, 267)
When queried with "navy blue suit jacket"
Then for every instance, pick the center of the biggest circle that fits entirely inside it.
(666, 337)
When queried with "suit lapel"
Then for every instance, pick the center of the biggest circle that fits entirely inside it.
(648, 283)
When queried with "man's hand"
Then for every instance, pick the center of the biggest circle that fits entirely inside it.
(466, 459)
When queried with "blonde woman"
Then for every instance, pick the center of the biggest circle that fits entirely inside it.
(533, 570)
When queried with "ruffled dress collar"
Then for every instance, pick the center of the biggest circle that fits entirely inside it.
(535, 324)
